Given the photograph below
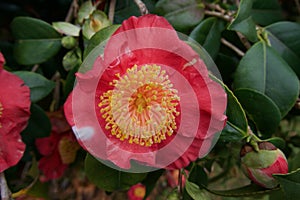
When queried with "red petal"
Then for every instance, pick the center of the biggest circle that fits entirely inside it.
(15, 101)
(2, 61)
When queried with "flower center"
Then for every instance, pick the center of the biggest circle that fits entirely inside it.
(139, 192)
(1, 112)
(142, 107)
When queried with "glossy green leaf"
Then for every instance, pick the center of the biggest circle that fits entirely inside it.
(195, 192)
(277, 141)
(260, 109)
(183, 15)
(99, 37)
(39, 85)
(290, 184)
(36, 40)
(270, 8)
(243, 22)
(263, 70)
(198, 176)
(66, 28)
(284, 38)
(208, 34)
(110, 179)
(236, 116)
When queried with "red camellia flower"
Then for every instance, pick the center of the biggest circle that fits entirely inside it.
(260, 166)
(136, 192)
(58, 150)
(14, 115)
(148, 99)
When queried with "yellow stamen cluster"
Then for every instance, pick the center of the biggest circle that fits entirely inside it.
(142, 106)
(1, 112)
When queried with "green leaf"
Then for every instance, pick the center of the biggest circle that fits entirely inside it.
(100, 37)
(208, 34)
(151, 180)
(39, 85)
(283, 37)
(36, 40)
(264, 71)
(126, 9)
(195, 192)
(85, 10)
(110, 179)
(244, 191)
(277, 141)
(236, 116)
(290, 184)
(270, 8)
(243, 22)
(66, 28)
(198, 176)
(183, 15)
(39, 126)
(260, 109)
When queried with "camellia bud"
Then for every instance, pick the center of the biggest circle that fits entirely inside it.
(260, 165)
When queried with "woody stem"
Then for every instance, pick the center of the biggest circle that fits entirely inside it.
(5, 193)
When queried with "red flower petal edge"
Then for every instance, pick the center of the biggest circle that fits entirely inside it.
(193, 103)
(14, 115)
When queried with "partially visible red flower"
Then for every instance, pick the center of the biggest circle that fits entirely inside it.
(14, 115)
(58, 150)
(148, 98)
(260, 166)
(136, 192)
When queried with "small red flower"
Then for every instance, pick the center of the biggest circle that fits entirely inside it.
(14, 115)
(148, 98)
(58, 150)
(136, 192)
(260, 166)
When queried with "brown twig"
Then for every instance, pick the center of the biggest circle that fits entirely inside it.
(35, 67)
(72, 11)
(231, 46)
(5, 193)
(219, 15)
(297, 5)
(56, 93)
(142, 7)
(244, 40)
(111, 12)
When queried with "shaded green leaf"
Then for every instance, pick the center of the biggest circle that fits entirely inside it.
(39, 85)
(244, 191)
(110, 179)
(208, 34)
(284, 38)
(243, 22)
(290, 184)
(270, 8)
(99, 37)
(151, 180)
(195, 192)
(126, 9)
(183, 15)
(66, 28)
(263, 70)
(277, 141)
(36, 40)
(260, 109)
